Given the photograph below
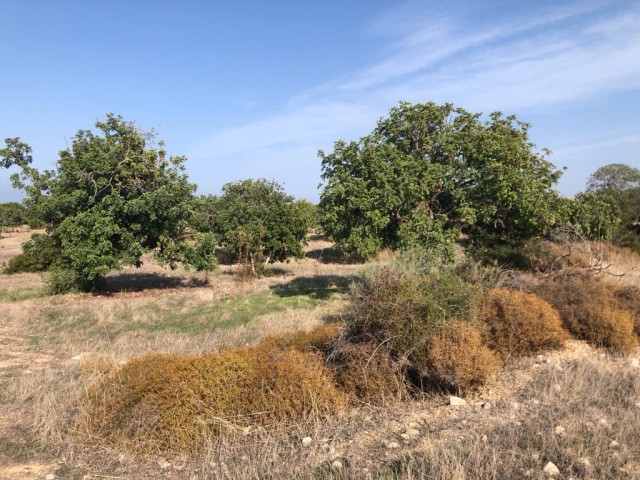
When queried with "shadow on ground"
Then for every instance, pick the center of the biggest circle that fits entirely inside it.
(135, 282)
(318, 287)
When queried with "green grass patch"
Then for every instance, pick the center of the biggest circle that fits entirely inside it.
(175, 315)
(20, 295)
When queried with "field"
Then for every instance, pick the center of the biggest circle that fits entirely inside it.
(578, 408)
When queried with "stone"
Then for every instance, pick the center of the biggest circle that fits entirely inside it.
(50, 476)
(550, 470)
(412, 425)
(412, 432)
(484, 438)
(163, 464)
(306, 441)
(393, 445)
(337, 464)
(457, 402)
(635, 363)
(486, 406)
(614, 444)
(559, 430)
(404, 436)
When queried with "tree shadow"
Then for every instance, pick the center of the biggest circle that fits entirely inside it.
(318, 287)
(334, 255)
(136, 282)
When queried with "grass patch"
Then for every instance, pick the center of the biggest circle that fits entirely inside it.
(22, 294)
(177, 316)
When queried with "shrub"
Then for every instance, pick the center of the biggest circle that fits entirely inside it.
(520, 323)
(629, 299)
(366, 372)
(590, 310)
(318, 340)
(400, 310)
(166, 402)
(456, 358)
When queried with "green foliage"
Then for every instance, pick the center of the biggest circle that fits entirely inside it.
(429, 172)
(309, 212)
(111, 197)
(12, 214)
(613, 193)
(15, 152)
(258, 222)
(594, 215)
(38, 253)
(202, 254)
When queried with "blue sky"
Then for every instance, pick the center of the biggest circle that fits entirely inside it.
(255, 88)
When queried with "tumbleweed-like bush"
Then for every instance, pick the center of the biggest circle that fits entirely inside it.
(172, 403)
(456, 357)
(520, 323)
(590, 311)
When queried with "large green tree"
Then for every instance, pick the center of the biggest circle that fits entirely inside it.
(258, 222)
(617, 186)
(113, 195)
(429, 172)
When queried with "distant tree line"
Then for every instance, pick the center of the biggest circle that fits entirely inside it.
(425, 177)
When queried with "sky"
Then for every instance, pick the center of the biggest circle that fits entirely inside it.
(253, 89)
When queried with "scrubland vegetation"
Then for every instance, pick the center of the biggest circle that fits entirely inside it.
(461, 319)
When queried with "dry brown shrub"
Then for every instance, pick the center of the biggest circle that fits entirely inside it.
(520, 323)
(629, 299)
(457, 358)
(318, 340)
(590, 310)
(366, 372)
(172, 403)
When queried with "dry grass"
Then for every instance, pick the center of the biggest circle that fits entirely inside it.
(40, 386)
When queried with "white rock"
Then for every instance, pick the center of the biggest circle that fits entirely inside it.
(306, 441)
(484, 438)
(50, 476)
(559, 430)
(77, 358)
(635, 363)
(405, 436)
(393, 445)
(614, 444)
(412, 432)
(486, 405)
(550, 470)
(457, 402)
(163, 464)
(412, 425)
(337, 464)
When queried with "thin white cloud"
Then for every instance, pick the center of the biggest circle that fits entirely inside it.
(559, 56)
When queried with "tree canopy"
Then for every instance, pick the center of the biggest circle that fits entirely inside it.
(258, 222)
(429, 172)
(113, 195)
(615, 187)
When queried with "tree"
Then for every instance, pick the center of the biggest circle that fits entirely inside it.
(12, 214)
(15, 152)
(258, 222)
(429, 172)
(112, 196)
(615, 177)
(618, 187)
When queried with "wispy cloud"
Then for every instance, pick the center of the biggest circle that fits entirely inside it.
(518, 60)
